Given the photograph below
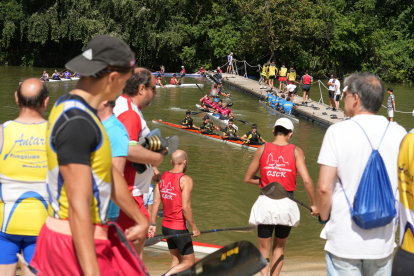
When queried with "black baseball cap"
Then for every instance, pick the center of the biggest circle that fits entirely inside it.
(102, 51)
(206, 117)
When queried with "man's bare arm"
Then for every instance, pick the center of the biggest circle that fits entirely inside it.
(119, 163)
(154, 211)
(186, 184)
(139, 154)
(250, 177)
(78, 184)
(324, 190)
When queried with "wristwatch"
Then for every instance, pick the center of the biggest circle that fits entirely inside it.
(153, 224)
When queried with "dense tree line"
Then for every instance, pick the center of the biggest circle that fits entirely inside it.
(322, 36)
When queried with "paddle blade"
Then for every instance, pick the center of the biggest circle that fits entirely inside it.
(154, 240)
(231, 104)
(237, 259)
(274, 190)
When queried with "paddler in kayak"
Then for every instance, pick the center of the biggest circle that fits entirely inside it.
(174, 80)
(253, 137)
(274, 100)
(66, 75)
(174, 191)
(202, 71)
(287, 106)
(268, 97)
(162, 71)
(182, 72)
(76, 75)
(279, 162)
(45, 76)
(208, 127)
(224, 111)
(230, 132)
(56, 75)
(187, 123)
(208, 102)
(282, 76)
(158, 81)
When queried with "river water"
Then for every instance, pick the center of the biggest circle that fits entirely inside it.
(220, 198)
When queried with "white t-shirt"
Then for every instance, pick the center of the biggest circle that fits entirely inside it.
(291, 87)
(346, 147)
(337, 84)
(332, 86)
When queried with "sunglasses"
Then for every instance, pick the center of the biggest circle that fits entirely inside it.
(153, 88)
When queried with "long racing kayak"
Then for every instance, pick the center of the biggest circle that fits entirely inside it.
(290, 116)
(215, 137)
(226, 122)
(61, 80)
(178, 75)
(181, 85)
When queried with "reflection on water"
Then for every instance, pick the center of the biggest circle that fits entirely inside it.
(220, 198)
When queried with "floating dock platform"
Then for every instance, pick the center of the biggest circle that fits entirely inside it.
(308, 113)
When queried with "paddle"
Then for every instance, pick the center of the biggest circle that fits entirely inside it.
(241, 258)
(158, 238)
(240, 120)
(275, 190)
(217, 82)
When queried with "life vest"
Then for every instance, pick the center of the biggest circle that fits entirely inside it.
(157, 81)
(231, 132)
(283, 71)
(292, 75)
(253, 137)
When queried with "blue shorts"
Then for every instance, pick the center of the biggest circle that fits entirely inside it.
(12, 244)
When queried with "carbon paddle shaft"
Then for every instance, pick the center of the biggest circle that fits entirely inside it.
(300, 203)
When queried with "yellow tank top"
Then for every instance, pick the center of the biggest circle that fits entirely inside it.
(292, 75)
(23, 169)
(100, 161)
(272, 70)
(406, 190)
(264, 70)
(283, 72)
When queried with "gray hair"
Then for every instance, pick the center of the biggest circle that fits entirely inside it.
(369, 89)
(143, 76)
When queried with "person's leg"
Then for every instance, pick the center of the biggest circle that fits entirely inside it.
(403, 264)
(281, 235)
(264, 237)
(184, 253)
(10, 245)
(186, 262)
(304, 97)
(337, 266)
(378, 267)
(28, 246)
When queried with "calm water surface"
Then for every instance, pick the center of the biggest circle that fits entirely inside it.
(220, 198)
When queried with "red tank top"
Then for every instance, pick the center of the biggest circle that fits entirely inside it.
(171, 198)
(278, 164)
(306, 79)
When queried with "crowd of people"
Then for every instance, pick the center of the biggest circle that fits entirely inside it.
(65, 74)
(73, 187)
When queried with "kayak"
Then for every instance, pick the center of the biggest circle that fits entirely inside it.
(215, 137)
(180, 85)
(226, 122)
(178, 75)
(200, 248)
(290, 116)
(61, 80)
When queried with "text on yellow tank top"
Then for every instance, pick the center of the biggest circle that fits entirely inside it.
(272, 70)
(23, 169)
(406, 190)
(100, 168)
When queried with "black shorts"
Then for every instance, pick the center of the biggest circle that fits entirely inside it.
(266, 231)
(403, 264)
(306, 88)
(331, 93)
(337, 97)
(183, 244)
(183, 75)
(271, 77)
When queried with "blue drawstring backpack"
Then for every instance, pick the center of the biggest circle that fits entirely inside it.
(374, 204)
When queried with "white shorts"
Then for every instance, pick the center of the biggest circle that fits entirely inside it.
(274, 212)
(390, 113)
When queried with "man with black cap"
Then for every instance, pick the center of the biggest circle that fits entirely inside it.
(207, 127)
(81, 179)
(188, 121)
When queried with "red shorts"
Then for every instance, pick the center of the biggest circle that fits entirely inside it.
(291, 82)
(282, 78)
(55, 254)
(126, 222)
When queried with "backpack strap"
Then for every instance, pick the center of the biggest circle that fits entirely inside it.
(347, 200)
(367, 135)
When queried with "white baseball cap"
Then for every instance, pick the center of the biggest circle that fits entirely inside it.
(284, 122)
(182, 66)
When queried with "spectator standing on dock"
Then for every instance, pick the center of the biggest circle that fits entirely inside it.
(282, 76)
(331, 91)
(119, 140)
(265, 74)
(337, 93)
(278, 161)
(403, 264)
(272, 74)
(345, 151)
(390, 104)
(306, 80)
(230, 63)
(24, 197)
(174, 191)
(291, 76)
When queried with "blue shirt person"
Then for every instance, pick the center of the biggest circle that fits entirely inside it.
(119, 139)
(287, 107)
(268, 97)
